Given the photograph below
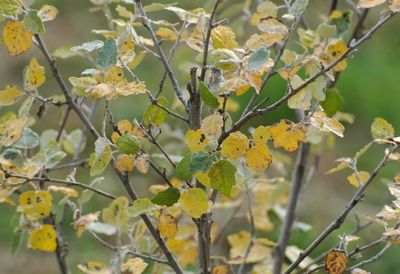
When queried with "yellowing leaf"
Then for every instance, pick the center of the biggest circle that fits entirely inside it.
(196, 140)
(381, 129)
(124, 163)
(99, 160)
(366, 4)
(15, 38)
(235, 146)
(43, 238)
(220, 269)
(92, 267)
(265, 9)
(35, 204)
(65, 190)
(261, 135)
(324, 123)
(288, 135)
(10, 7)
(394, 5)
(168, 226)
(222, 176)
(237, 84)
(257, 41)
(10, 95)
(223, 37)
(212, 125)
(274, 27)
(333, 52)
(194, 202)
(258, 158)
(134, 266)
(166, 34)
(336, 261)
(34, 75)
(203, 178)
(117, 212)
(47, 13)
(358, 179)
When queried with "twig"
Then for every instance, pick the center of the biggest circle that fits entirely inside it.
(373, 258)
(337, 223)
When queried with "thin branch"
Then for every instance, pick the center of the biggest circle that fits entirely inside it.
(337, 223)
(372, 259)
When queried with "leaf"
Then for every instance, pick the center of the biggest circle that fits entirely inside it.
(35, 204)
(336, 261)
(124, 163)
(196, 140)
(273, 27)
(302, 99)
(64, 190)
(258, 59)
(223, 37)
(29, 140)
(261, 135)
(288, 135)
(142, 163)
(107, 56)
(222, 176)
(141, 206)
(182, 168)
(33, 23)
(19, 236)
(99, 160)
(89, 46)
(333, 102)
(156, 115)
(194, 202)
(207, 97)
(117, 212)
(50, 155)
(381, 129)
(367, 4)
(34, 75)
(326, 124)
(43, 238)
(92, 267)
(128, 144)
(10, 7)
(358, 179)
(394, 5)
(212, 126)
(341, 20)
(166, 34)
(200, 162)
(134, 266)
(334, 51)
(47, 13)
(298, 7)
(235, 146)
(167, 197)
(11, 130)
(101, 228)
(258, 158)
(168, 226)
(16, 38)
(10, 95)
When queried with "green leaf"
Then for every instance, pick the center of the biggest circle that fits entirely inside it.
(33, 23)
(381, 129)
(18, 238)
(50, 156)
(107, 56)
(258, 59)
(298, 7)
(222, 176)
(29, 139)
(207, 97)
(182, 169)
(99, 160)
(141, 206)
(10, 7)
(342, 23)
(333, 102)
(128, 144)
(200, 162)
(167, 197)
(154, 114)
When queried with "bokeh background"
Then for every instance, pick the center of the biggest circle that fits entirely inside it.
(370, 85)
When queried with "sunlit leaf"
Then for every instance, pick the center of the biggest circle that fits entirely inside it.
(43, 238)
(16, 38)
(194, 202)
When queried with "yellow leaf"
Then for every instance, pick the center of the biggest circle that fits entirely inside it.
(381, 129)
(261, 135)
(92, 267)
(333, 52)
(257, 41)
(10, 95)
(223, 37)
(324, 123)
(366, 4)
(265, 9)
(235, 146)
(288, 135)
(196, 140)
(336, 261)
(168, 226)
(166, 34)
(43, 238)
(114, 75)
(34, 75)
(65, 190)
(124, 163)
(47, 13)
(237, 84)
(132, 88)
(194, 202)
(15, 38)
(203, 178)
(394, 5)
(258, 158)
(358, 180)
(220, 269)
(117, 212)
(134, 266)
(274, 27)
(35, 204)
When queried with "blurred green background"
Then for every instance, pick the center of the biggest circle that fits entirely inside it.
(370, 85)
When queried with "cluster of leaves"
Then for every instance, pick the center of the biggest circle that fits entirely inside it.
(220, 156)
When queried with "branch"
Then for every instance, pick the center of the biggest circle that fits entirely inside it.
(337, 223)
(146, 23)
(373, 258)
